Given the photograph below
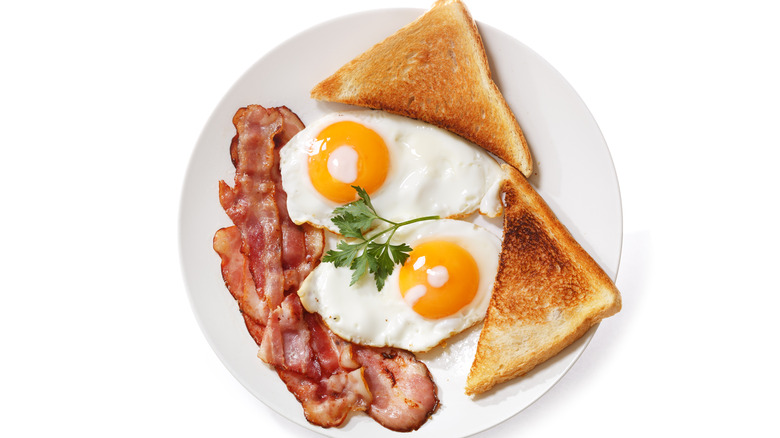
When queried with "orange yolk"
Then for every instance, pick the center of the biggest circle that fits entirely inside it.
(348, 154)
(439, 278)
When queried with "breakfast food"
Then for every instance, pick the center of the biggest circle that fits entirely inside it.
(409, 169)
(548, 291)
(306, 233)
(264, 257)
(441, 290)
(435, 69)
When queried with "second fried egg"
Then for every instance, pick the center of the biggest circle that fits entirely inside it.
(442, 289)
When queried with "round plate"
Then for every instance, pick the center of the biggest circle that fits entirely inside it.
(573, 173)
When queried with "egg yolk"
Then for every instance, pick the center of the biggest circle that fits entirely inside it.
(438, 279)
(348, 154)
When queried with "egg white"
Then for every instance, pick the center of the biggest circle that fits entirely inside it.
(364, 315)
(432, 172)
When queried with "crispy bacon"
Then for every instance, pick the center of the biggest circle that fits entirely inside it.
(286, 342)
(265, 257)
(327, 402)
(403, 389)
(251, 203)
(238, 279)
(318, 367)
(302, 245)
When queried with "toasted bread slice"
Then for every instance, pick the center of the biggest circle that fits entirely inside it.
(548, 291)
(435, 69)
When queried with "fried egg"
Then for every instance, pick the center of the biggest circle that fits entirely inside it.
(442, 289)
(409, 169)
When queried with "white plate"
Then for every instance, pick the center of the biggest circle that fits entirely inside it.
(574, 173)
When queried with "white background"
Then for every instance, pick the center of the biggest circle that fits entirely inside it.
(100, 107)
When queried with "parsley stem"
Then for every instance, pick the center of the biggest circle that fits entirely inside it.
(354, 220)
(396, 225)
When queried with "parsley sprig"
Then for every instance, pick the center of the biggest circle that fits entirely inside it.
(366, 253)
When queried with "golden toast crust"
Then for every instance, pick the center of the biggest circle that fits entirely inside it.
(435, 69)
(548, 291)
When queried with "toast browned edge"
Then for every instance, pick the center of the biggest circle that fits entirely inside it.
(435, 69)
(548, 291)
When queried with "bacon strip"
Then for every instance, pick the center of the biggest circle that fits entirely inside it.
(403, 389)
(238, 279)
(317, 366)
(251, 203)
(265, 257)
(327, 402)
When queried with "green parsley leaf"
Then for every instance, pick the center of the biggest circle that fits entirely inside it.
(359, 269)
(365, 198)
(366, 254)
(357, 217)
(343, 255)
(400, 253)
(380, 264)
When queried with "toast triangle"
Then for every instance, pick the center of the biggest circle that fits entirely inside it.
(548, 291)
(434, 69)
